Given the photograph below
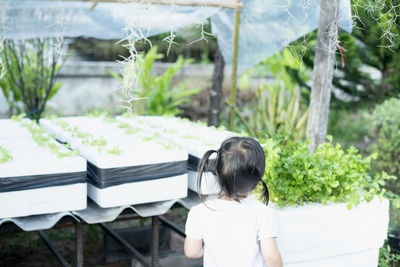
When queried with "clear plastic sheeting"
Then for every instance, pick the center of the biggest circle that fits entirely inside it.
(267, 26)
(31, 19)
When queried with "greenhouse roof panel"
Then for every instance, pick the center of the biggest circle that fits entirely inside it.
(266, 27)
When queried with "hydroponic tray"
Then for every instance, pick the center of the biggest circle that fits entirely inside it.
(125, 165)
(194, 137)
(35, 181)
(11, 129)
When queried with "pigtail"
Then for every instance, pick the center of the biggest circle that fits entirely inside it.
(204, 166)
(265, 192)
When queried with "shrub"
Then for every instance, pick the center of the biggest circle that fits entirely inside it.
(31, 66)
(385, 120)
(296, 176)
(157, 94)
(281, 109)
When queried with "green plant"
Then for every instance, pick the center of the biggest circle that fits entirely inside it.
(280, 109)
(277, 105)
(11, 93)
(385, 121)
(86, 138)
(44, 139)
(157, 95)
(115, 151)
(30, 71)
(4, 155)
(296, 176)
(387, 257)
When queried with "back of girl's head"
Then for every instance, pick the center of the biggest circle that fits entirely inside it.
(239, 165)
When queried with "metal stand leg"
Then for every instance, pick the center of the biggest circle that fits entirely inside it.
(53, 249)
(131, 250)
(155, 241)
(172, 226)
(79, 244)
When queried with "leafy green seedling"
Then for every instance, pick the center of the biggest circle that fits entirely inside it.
(5, 155)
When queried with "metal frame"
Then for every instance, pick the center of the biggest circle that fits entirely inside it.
(135, 254)
(53, 249)
(131, 250)
(172, 226)
(79, 246)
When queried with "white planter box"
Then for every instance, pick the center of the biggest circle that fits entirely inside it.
(195, 138)
(36, 181)
(43, 200)
(118, 181)
(10, 129)
(139, 192)
(209, 185)
(318, 235)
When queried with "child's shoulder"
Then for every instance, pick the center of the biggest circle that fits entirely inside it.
(200, 207)
(259, 206)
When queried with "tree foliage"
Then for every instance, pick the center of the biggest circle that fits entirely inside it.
(366, 71)
(385, 120)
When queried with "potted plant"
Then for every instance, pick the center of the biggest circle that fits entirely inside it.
(331, 210)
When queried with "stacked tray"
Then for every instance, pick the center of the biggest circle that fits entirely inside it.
(37, 174)
(195, 138)
(125, 166)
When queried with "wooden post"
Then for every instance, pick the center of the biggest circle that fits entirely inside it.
(155, 244)
(323, 72)
(79, 244)
(232, 98)
(214, 109)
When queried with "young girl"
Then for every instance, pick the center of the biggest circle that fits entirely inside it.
(233, 230)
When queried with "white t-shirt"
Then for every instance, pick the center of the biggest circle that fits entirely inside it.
(231, 231)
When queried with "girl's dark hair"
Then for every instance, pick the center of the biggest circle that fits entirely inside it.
(239, 166)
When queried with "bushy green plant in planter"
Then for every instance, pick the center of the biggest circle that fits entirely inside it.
(385, 121)
(297, 176)
(331, 210)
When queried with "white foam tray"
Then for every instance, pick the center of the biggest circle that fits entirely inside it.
(10, 129)
(209, 185)
(134, 151)
(43, 200)
(195, 138)
(31, 159)
(140, 192)
(318, 235)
